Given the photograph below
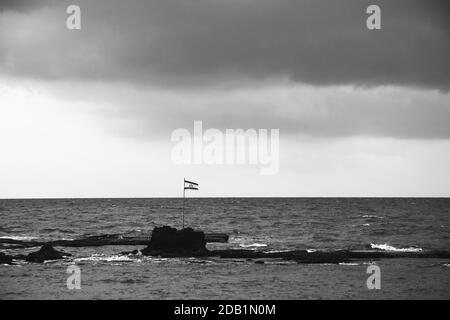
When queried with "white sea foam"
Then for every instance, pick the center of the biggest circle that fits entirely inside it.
(243, 245)
(21, 238)
(387, 247)
(277, 251)
(370, 216)
(101, 258)
(348, 264)
(245, 242)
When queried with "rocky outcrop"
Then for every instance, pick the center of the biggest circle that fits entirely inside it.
(99, 240)
(170, 242)
(47, 252)
(300, 256)
(336, 256)
(322, 257)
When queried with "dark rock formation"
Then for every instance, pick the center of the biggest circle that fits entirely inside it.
(322, 257)
(216, 237)
(47, 252)
(300, 256)
(5, 259)
(100, 240)
(241, 254)
(170, 242)
(336, 256)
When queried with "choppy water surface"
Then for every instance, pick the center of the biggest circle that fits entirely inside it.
(259, 224)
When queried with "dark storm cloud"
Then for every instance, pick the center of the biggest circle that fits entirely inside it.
(23, 5)
(198, 42)
(326, 112)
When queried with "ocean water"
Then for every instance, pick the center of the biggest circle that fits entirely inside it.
(268, 224)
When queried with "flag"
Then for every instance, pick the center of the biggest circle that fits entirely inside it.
(189, 185)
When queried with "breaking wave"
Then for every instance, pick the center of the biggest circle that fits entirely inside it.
(246, 242)
(387, 247)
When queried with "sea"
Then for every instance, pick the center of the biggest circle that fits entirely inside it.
(266, 224)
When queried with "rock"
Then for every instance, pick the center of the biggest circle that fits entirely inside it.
(322, 257)
(47, 252)
(99, 240)
(5, 259)
(170, 242)
(216, 237)
(240, 254)
(126, 253)
(300, 256)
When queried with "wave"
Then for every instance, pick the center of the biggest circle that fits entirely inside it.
(248, 242)
(387, 247)
(371, 216)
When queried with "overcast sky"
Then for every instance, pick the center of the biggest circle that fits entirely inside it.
(90, 112)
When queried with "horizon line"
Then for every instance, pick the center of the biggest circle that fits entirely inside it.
(234, 197)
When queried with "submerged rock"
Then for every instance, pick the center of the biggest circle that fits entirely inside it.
(47, 252)
(300, 256)
(322, 257)
(170, 242)
(126, 253)
(5, 259)
(100, 240)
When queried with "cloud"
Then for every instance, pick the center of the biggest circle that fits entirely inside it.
(58, 143)
(23, 5)
(191, 43)
(299, 111)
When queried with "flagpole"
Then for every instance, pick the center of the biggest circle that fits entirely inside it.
(184, 191)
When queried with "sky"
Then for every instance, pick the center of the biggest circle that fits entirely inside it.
(91, 112)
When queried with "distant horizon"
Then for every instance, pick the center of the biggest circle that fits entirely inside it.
(217, 197)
